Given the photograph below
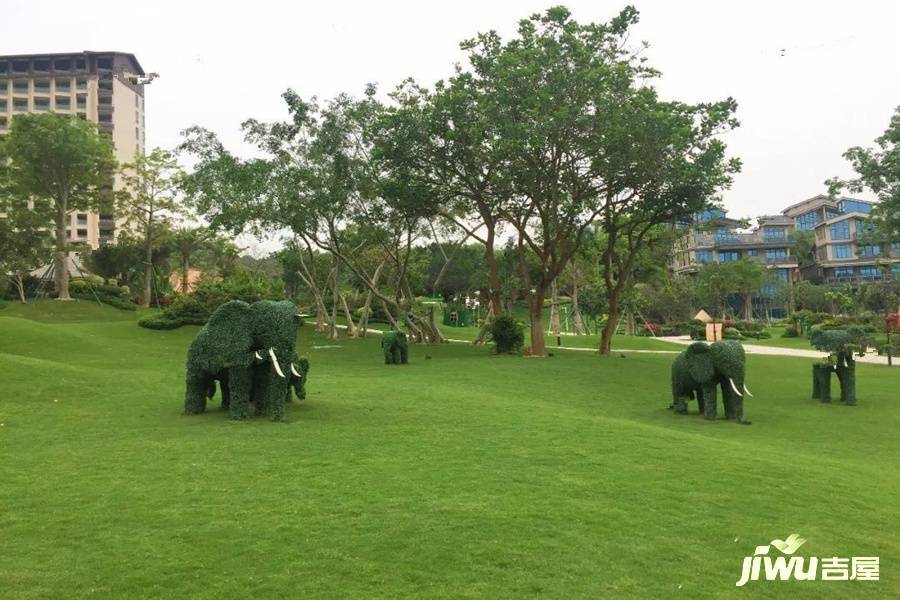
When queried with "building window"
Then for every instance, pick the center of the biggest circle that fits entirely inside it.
(784, 274)
(82, 116)
(830, 213)
(806, 221)
(703, 256)
(105, 85)
(728, 256)
(80, 64)
(841, 251)
(82, 233)
(873, 250)
(42, 86)
(62, 64)
(4, 67)
(840, 231)
(870, 272)
(774, 254)
(63, 103)
(3, 87)
(773, 233)
(81, 101)
(104, 62)
(42, 104)
(3, 123)
(63, 85)
(856, 206)
(20, 66)
(42, 65)
(105, 100)
(20, 104)
(81, 83)
(2, 104)
(104, 117)
(843, 272)
(751, 252)
(20, 87)
(81, 219)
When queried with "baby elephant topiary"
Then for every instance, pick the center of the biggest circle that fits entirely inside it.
(395, 347)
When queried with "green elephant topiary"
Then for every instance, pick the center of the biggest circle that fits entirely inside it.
(395, 348)
(296, 381)
(840, 344)
(247, 347)
(702, 367)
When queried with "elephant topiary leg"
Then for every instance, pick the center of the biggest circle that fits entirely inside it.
(824, 374)
(700, 405)
(709, 400)
(404, 355)
(847, 378)
(240, 381)
(196, 388)
(223, 388)
(278, 391)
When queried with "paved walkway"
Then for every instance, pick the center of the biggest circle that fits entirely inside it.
(871, 358)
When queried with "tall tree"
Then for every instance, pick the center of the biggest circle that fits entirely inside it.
(878, 170)
(188, 241)
(147, 201)
(62, 161)
(749, 278)
(24, 242)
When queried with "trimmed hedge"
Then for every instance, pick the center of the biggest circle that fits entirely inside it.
(112, 295)
(160, 321)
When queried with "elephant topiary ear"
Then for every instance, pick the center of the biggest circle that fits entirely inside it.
(700, 362)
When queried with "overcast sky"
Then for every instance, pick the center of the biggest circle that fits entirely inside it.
(810, 78)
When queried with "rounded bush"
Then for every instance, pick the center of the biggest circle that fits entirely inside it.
(730, 333)
(160, 321)
(507, 334)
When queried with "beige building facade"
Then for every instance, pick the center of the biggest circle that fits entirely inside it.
(102, 87)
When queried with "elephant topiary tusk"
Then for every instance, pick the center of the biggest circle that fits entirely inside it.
(746, 391)
(256, 354)
(294, 371)
(734, 387)
(276, 365)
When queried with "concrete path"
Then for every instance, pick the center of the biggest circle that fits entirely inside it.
(871, 358)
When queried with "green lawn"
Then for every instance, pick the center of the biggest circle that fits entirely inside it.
(462, 475)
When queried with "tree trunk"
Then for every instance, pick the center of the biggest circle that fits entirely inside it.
(630, 325)
(185, 269)
(148, 275)
(493, 296)
(351, 328)
(554, 309)
(332, 331)
(577, 320)
(609, 329)
(367, 307)
(20, 286)
(61, 274)
(748, 306)
(536, 316)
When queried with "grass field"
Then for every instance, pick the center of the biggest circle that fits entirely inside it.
(462, 475)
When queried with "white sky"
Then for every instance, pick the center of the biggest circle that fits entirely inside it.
(222, 62)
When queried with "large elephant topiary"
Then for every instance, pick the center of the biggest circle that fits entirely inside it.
(239, 342)
(296, 381)
(395, 348)
(702, 367)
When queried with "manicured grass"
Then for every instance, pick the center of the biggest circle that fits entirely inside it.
(462, 475)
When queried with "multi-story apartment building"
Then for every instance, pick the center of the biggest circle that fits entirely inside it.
(103, 87)
(841, 252)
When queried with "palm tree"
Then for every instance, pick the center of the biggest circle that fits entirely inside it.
(189, 240)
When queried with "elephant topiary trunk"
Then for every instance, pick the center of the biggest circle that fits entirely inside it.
(701, 369)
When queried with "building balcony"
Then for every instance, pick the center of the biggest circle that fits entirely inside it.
(740, 240)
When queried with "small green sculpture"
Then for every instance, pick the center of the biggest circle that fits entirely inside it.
(700, 368)
(840, 344)
(395, 347)
(243, 346)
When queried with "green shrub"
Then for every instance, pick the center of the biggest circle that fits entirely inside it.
(188, 309)
(160, 321)
(507, 334)
(791, 331)
(112, 295)
(3, 303)
(731, 333)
